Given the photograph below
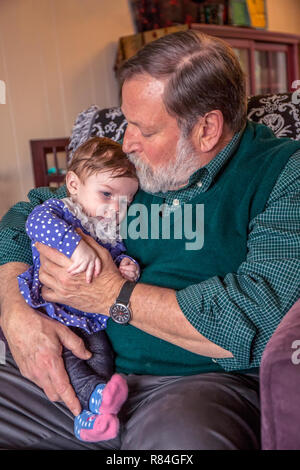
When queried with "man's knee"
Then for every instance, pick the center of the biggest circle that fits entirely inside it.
(210, 411)
(28, 420)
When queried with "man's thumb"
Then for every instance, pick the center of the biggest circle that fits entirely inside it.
(74, 343)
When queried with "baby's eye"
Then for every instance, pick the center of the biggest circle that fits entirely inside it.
(106, 194)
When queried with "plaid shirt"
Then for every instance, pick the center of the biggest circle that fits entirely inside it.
(240, 311)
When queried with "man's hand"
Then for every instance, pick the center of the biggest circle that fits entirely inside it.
(61, 287)
(36, 341)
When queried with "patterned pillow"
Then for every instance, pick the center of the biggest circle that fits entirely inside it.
(280, 112)
(94, 121)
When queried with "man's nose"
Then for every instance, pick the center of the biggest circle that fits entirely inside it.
(131, 141)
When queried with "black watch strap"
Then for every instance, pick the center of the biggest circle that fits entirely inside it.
(125, 292)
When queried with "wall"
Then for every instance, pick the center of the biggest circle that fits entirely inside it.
(284, 16)
(56, 58)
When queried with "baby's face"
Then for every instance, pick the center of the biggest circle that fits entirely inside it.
(106, 197)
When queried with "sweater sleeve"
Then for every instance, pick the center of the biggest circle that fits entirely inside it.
(46, 224)
(241, 311)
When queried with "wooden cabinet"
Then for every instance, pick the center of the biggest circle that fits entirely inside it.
(269, 59)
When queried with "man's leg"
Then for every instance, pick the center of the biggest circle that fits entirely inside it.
(206, 411)
(28, 420)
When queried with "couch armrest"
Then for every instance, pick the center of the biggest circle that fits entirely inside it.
(280, 385)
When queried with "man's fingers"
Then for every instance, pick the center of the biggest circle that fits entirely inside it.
(49, 390)
(48, 280)
(74, 343)
(63, 388)
(53, 255)
(49, 295)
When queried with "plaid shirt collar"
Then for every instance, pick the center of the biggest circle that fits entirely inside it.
(201, 180)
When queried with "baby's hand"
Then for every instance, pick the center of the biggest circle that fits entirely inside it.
(85, 259)
(129, 269)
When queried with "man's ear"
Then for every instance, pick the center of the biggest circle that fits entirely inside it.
(72, 183)
(208, 131)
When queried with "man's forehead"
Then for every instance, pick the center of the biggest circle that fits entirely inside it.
(142, 88)
(142, 96)
(145, 83)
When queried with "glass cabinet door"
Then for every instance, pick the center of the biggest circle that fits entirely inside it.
(271, 74)
(243, 56)
(261, 72)
(278, 68)
(265, 66)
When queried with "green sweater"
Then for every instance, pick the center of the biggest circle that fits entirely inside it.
(246, 192)
(239, 193)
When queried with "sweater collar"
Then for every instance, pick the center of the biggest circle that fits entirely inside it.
(202, 178)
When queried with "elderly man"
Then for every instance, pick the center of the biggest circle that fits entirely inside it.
(199, 319)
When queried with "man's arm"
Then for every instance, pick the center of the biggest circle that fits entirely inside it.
(35, 341)
(155, 309)
(169, 322)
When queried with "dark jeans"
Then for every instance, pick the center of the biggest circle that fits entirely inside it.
(206, 411)
(85, 375)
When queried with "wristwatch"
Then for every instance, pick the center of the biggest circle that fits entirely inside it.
(120, 311)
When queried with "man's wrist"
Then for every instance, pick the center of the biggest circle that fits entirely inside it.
(9, 289)
(116, 286)
(120, 311)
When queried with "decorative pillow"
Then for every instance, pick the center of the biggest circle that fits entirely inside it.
(109, 123)
(94, 121)
(279, 112)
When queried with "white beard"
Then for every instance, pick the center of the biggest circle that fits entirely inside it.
(171, 176)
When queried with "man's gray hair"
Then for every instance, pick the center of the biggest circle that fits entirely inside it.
(202, 73)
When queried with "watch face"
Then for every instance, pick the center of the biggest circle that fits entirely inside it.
(120, 313)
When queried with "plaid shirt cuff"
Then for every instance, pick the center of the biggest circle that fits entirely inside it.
(205, 306)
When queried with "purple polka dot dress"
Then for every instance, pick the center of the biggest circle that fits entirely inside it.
(54, 224)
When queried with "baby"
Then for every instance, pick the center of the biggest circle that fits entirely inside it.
(101, 182)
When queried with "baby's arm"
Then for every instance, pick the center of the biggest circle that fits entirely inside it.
(47, 224)
(85, 259)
